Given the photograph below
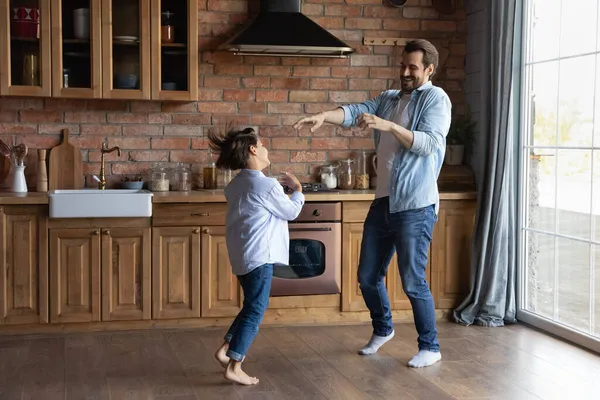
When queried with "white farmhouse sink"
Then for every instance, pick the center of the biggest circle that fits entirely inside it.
(96, 203)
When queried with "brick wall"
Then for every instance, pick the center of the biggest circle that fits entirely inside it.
(270, 93)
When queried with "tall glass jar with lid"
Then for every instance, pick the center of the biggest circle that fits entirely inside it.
(346, 174)
(159, 178)
(362, 170)
(182, 178)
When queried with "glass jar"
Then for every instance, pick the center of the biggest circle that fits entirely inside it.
(159, 179)
(362, 171)
(225, 176)
(328, 177)
(167, 28)
(182, 178)
(209, 176)
(346, 174)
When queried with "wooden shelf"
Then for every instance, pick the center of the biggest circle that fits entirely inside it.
(174, 45)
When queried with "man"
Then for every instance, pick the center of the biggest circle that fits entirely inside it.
(410, 128)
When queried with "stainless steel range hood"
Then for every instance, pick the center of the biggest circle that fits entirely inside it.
(280, 29)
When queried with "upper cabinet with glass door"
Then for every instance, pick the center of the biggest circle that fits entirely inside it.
(126, 67)
(76, 49)
(174, 49)
(25, 48)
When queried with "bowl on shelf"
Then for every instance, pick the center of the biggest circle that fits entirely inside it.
(132, 184)
(169, 86)
(125, 81)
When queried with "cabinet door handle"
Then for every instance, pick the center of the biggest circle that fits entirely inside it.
(96, 233)
(196, 230)
(206, 230)
(107, 233)
(200, 214)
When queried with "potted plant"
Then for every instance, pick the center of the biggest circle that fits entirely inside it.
(460, 138)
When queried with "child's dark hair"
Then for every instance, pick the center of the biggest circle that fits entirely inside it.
(233, 147)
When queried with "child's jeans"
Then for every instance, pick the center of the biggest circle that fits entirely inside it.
(257, 287)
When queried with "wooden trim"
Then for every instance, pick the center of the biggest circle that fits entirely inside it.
(297, 316)
(62, 223)
(45, 54)
(192, 93)
(107, 55)
(95, 48)
(43, 293)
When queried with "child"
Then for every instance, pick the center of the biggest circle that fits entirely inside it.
(256, 235)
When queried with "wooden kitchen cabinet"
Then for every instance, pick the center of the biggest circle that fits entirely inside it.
(448, 263)
(221, 292)
(99, 274)
(24, 261)
(176, 272)
(126, 269)
(76, 49)
(75, 284)
(174, 35)
(121, 52)
(25, 48)
(451, 252)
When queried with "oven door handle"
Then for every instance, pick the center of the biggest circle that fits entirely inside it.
(310, 229)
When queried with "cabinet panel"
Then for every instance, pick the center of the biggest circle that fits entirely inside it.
(126, 266)
(76, 49)
(75, 275)
(174, 49)
(126, 49)
(23, 278)
(221, 291)
(176, 272)
(451, 252)
(351, 241)
(25, 52)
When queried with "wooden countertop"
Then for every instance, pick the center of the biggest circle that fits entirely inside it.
(7, 198)
(216, 196)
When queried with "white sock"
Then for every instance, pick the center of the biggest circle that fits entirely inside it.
(375, 343)
(425, 358)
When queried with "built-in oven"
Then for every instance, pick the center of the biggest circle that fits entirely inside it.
(315, 253)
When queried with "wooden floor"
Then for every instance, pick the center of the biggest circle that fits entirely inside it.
(314, 362)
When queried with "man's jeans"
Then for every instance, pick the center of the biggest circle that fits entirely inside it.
(256, 286)
(409, 233)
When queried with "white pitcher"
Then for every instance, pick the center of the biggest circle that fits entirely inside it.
(19, 183)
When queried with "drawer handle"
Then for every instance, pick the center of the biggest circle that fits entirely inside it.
(106, 233)
(206, 230)
(95, 233)
(200, 214)
(196, 230)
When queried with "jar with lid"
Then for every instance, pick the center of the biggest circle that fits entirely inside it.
(167, 27)
(182, 179)
(159, 178)
(362, 171)
(328, 177)
(346, 174)
(225, 176)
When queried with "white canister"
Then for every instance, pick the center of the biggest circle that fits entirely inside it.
(81, 23)
(19, 183)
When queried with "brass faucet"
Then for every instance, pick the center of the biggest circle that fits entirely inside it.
(103, 150)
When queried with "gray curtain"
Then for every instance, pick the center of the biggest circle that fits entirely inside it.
(491, 301)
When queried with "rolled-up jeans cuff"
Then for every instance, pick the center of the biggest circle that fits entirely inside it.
(235, 356)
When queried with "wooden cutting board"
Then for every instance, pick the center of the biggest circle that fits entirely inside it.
(4, 167)
(65, 168)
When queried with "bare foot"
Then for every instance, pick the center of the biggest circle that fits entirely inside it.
(234, 373)
(220, 355)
